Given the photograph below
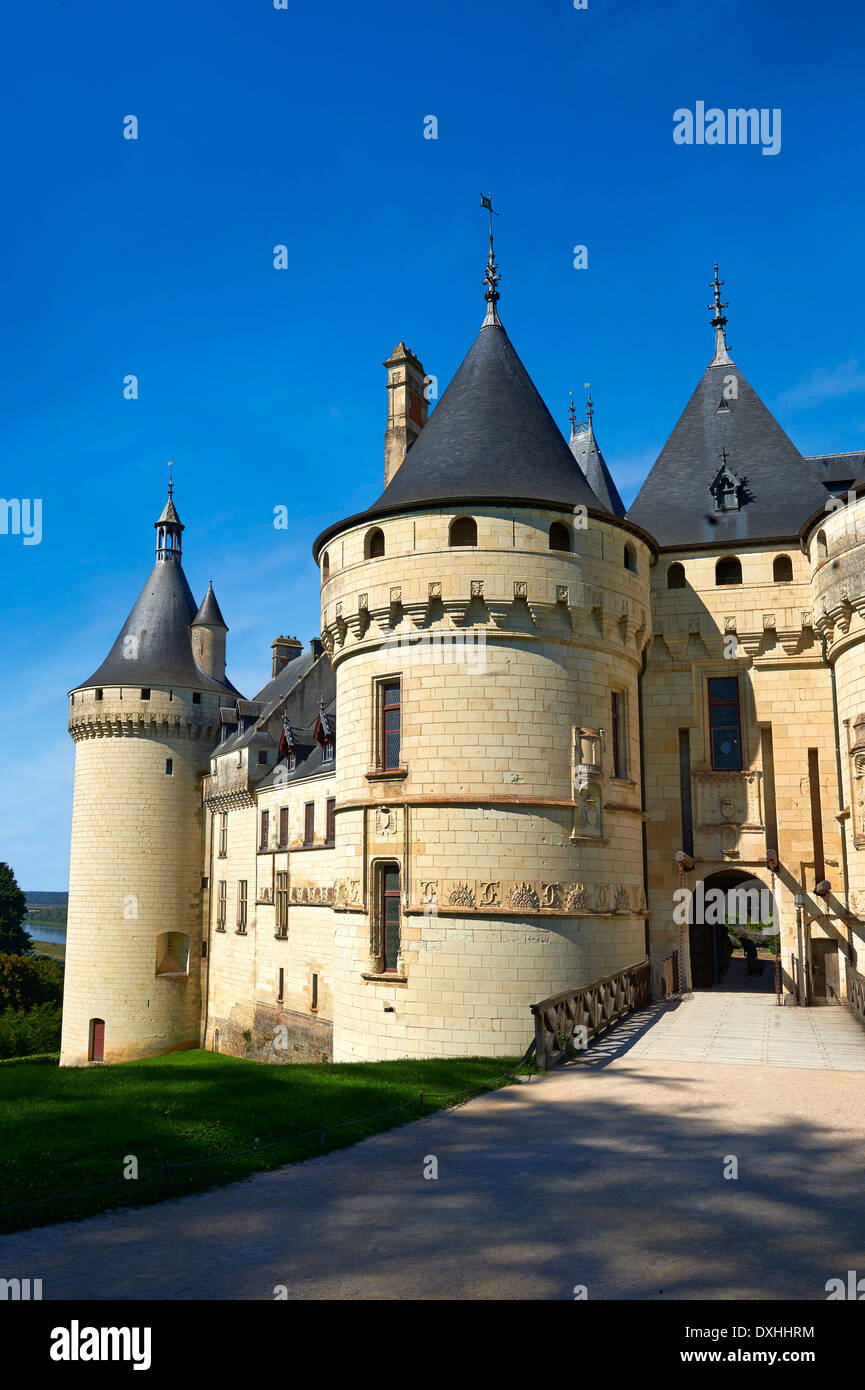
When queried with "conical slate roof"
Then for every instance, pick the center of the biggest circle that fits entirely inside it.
(489, 437)
(154, 645)
(585, 450)
(209, 614)
(777, 489)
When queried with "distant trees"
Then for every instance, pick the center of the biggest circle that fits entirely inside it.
(14, 940)
(26, 981)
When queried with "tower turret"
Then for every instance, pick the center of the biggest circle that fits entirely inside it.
(144, 725)
(209, 631)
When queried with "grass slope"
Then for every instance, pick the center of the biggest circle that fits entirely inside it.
(73, 1127)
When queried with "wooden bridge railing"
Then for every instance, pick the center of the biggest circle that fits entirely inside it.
(593, 1007)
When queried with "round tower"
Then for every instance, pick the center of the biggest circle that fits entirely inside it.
(486, 619)
(144, 725)
(834, 541)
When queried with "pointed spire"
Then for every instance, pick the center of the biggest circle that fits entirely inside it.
(209, 614)
(590, 409)
(169, 527)
(492, 277)
(573, 414)
(719, 323)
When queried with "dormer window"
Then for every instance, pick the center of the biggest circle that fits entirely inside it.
(726, 489)
(327, 752)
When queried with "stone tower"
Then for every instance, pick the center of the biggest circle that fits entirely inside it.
(144, 725)
(486, 619)
(407, 406)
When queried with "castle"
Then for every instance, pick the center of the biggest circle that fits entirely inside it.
(531, 718)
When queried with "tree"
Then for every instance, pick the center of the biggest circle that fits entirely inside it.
(14, 940)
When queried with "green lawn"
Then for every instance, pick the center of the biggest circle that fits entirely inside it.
(55, 949)
(73, 1127)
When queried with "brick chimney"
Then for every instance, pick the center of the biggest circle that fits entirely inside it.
(407, 407)
(284, 649)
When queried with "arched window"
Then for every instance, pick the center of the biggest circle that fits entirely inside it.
(782, 569)
(630, 559)
(560, 536)
(374, 544)
(464, 531)
(822, 547)
(728, 571)
(676, 576)
(325, 568)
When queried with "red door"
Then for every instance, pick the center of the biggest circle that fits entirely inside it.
(97, 1039)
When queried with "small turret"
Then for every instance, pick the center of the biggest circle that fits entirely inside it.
(209, 630)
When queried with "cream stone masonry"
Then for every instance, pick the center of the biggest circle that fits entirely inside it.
(487, 781)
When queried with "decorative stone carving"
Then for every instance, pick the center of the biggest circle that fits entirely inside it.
(385, 823)
(725, 798)
(550, 895)
(435, 589)
(590, 811)
(396, 594)
(477, 588)
(489, 893)
(768, 622)
(460, 894)
(521, 588)
(561, 593)
(578, 898)
(524, 897)
(363, 603)
(730, 623)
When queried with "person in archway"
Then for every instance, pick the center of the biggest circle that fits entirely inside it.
(754, 966)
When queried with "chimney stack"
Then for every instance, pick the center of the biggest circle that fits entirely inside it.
(284, 649)
(407, 407)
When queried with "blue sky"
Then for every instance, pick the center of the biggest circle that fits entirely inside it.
(305, 127)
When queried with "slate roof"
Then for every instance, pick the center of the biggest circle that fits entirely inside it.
(780, 489)
(209, 614)
(490, 438)
(586, 451)
(160, 621)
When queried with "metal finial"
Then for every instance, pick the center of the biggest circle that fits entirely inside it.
(724, 457)
(719, 322)
(171, 477)
(492, 277)
(590, 409)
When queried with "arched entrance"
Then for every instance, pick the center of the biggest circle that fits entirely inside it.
(730, 910)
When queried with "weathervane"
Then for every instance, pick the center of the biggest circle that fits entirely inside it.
(492, 277)
(171, 477)
(719, 322)
(590, 409)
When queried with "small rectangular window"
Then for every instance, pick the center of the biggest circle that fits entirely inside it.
(283, 827)
(327, 752)
(330, 836)
(145, 694)
(620, 762)
(281, 983)
(99, 694)
(724, 724)
(264, 836)
(390, 725)
(241, 905)
(389, 918)
(221, 902)
(223, 834)
(204, 950)
(262, 757)
(313, 1003)
(309, 823)
(282, 903)
(196, 697)
(169, 767)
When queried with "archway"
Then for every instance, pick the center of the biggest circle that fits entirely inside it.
(730, 910)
